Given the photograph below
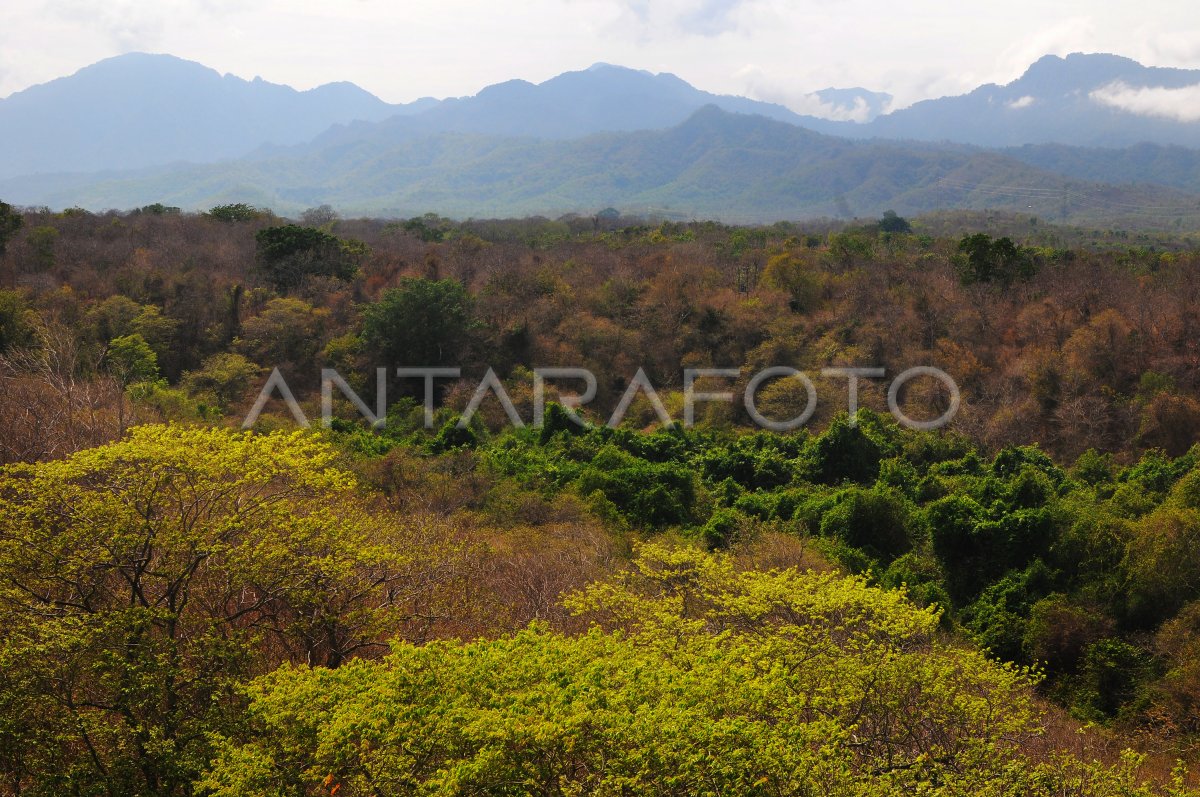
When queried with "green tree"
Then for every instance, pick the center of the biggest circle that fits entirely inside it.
(10, 223)
(17, 322)
(224, 377)
(875, 520)
(287, 330)
(892, 223)
(130, 359)
(792, 273)
(289, 253)
(984, 260)
(845, 452)
(43, 241)
(236, 212)
(420, 323)
(1164, 571)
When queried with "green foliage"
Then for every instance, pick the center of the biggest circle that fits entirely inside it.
(1162, 563)
(987, 260)
(845, 452)
(998, 618)
(159, 209)
(143, 581)
(287, 330)
(698, 680)
(290, 253)
(875, 520)
(847, 248)
(130, 359)
(1094, 468)
(794, 275)
(721, 528)
(1033, 563)
(239, 211)
(452, 437)
(420, 323)
(18, 324)
(1111, 677)
(43, 241)
(892, 223)
(11, 222)
(921, 577)
(649, 495)
(430, 228)
(225, 378)
(1059, 631)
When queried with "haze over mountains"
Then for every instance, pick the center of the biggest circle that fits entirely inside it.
(139, 129)
(1092, 100)
(141, 110)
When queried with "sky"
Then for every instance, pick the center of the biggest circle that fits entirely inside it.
(765, 49)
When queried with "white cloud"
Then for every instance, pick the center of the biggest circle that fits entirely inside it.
(401, 51)
(758, 84)
(1181, 104)
(1074, 34)
(1175, 46)
(1021, 102)
(812, 105)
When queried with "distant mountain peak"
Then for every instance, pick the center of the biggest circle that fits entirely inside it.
(602, 66)
(1082, 72)
(1081, 99)
(143, 109)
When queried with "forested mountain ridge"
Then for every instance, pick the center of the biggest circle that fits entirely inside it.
(605, 136)
(735, 167)
(140, 109)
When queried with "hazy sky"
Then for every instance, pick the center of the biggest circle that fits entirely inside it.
(766, 49)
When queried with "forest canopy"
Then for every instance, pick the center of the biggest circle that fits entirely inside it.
(1009, 605)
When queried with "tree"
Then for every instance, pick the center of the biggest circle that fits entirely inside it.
(289, 253)
(43, 241)
(224, 377)
(420, 323)
(430, 228)
(236, 212)
(792, 273)
(130, 360)
(288, 330)
(876, 520)
(892, 223)
(322, 216)
(984, 260)
(141, 581)
(17, 322)
(845, 452)
(1164, 572)
(10, 223)
(697, 678)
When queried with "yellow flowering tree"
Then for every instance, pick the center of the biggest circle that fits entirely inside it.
(141, 580)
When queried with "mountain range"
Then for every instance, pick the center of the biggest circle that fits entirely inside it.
(140, 128)
(1092, 100)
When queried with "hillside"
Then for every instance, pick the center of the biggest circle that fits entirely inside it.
(1174, 166)
(715, 165)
